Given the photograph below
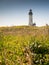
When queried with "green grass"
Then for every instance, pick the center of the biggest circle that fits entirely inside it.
(14, 41)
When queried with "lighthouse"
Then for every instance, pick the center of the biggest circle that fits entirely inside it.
(30, 17)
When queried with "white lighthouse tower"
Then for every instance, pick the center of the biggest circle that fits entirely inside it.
(30, 18)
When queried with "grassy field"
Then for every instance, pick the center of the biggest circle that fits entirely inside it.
(18, 43)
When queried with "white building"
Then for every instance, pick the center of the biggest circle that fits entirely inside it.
(31, 18)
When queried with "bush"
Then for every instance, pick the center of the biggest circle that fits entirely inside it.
(39, 53)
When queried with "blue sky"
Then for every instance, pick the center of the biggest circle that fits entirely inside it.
(15, 12)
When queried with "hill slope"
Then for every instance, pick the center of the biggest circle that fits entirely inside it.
(25, 30)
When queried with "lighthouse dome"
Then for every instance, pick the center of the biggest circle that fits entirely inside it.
(30, 12)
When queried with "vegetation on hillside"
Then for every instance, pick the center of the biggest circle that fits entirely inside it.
(24, 45)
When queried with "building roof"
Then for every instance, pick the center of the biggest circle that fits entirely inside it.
(30, 12)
